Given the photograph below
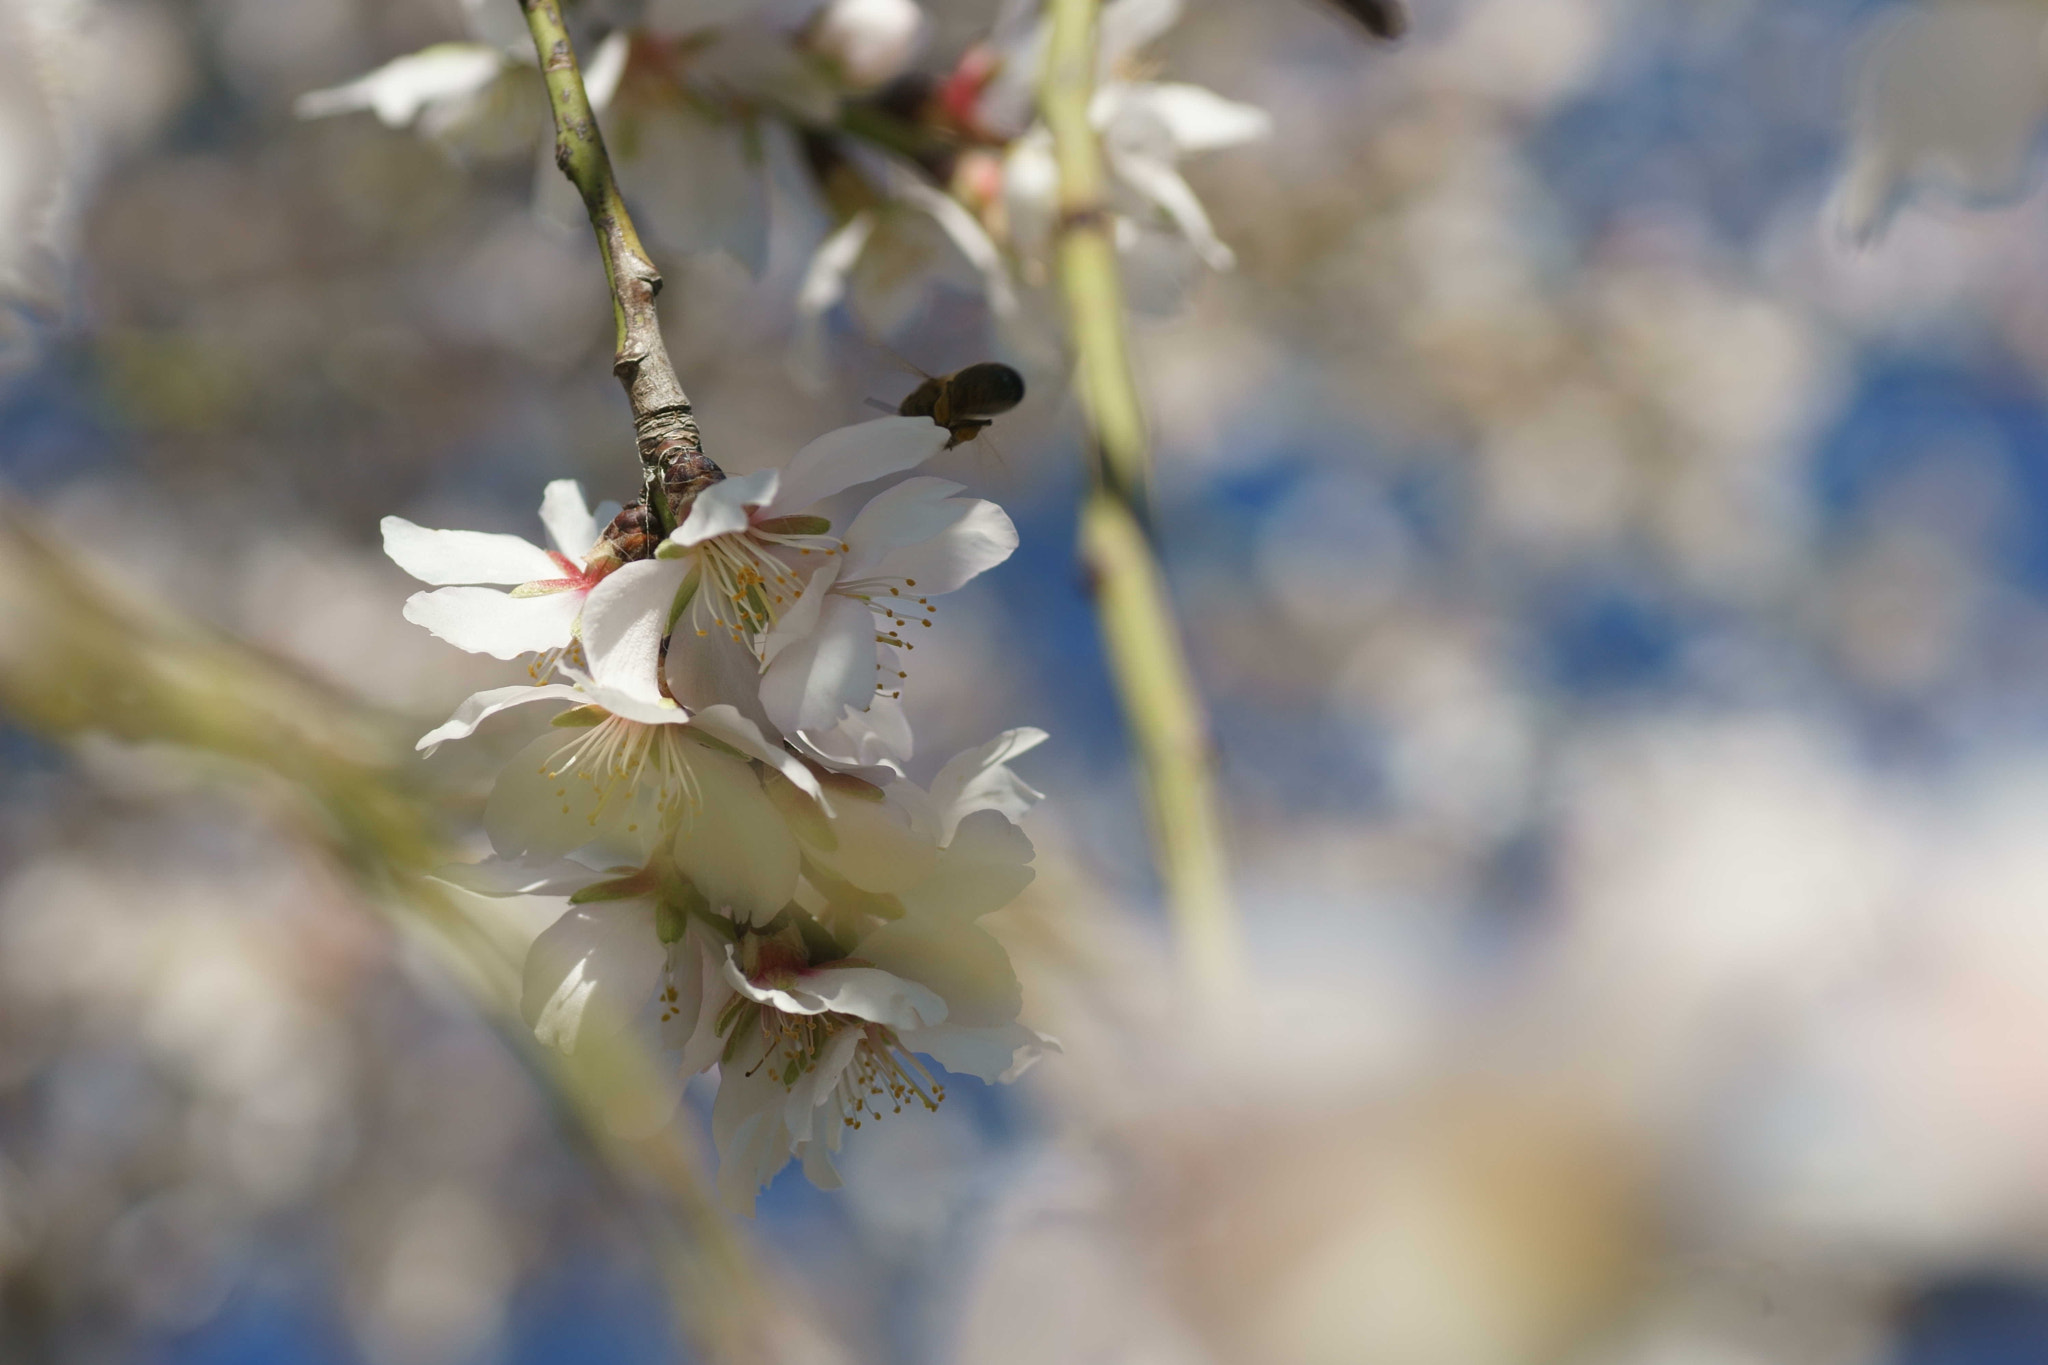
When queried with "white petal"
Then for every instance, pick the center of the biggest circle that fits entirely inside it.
(496, 876)
(590, 972)
(1128, 25)
(978, 779)
(680, 997)
(955, 958)
(696, 1037)
(1031, 179)
(747, 1128)
(733, 844)
(726, 723)
(709, 668)
(981, 871)
(606, 67)
(480, 706)
(968, 237)
(633, 706)
(870, 41)
(852, 455)
(817, 1158)
(571, 527)
(1158, 181)
(864, 992)
(874, 845)
(997, 1055)
(623, 622)
(815, 1087)
(802, 617)
(486, 621)
(1200, 120)
(926, 537)
(812, 682)
(542, 807)
(825, 278)
(400, 88)
(466, 556)
(871, 745)
(723, 508)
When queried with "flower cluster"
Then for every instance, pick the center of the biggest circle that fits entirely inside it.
(922, 177)
(721, 796)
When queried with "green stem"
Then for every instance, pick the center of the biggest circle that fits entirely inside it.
(1146, 656)
(671, 451)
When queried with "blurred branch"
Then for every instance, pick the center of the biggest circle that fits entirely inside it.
(663, 424)
(77, 658)
(1146, 654)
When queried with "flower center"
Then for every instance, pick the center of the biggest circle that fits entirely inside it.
(746, 585)
(619, 759)
(881, 1070)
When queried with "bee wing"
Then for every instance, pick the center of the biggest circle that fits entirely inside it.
(879, 406)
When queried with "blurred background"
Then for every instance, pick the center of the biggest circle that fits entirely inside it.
(1622, 601)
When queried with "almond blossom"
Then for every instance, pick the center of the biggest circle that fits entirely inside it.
(1147, 129)
(819, 1016)
(683, 674)
(800, 627)
(692, 94)
(538, 616)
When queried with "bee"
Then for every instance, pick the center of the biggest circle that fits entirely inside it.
(965, 401)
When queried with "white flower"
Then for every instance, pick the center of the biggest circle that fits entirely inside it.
(883, 259)
(1950, 98)
(818, 1012)
(797, 648)
(912, 543)
(630, 762)
(683, 96)
(472, 97)
(812, 1045)
(1147, 128)
(539, 614)
(870, 42)
(435, 78)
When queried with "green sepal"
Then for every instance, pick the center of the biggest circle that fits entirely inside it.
(819, 941)
(800, 525)
(579, 717)
(729, 1016)
(715, 744)
(669, 921)
(625, 888)
(668, 549)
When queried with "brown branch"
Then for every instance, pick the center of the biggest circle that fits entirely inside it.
(672, 458)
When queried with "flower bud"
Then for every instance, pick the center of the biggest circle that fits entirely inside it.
(870, 41)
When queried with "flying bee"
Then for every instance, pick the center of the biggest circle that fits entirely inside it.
(965, 401)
